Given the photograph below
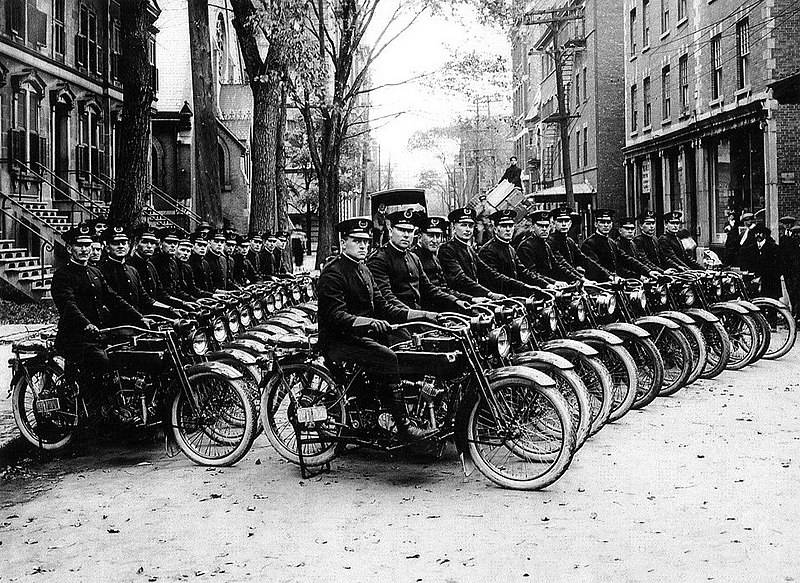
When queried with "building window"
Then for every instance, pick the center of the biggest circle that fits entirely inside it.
(151, 55)
(15, 18)
(116, 50)
(59, 38)
(578, 149)
(87, 54)
(26, 144)
(683, 79)
(716, 67)
(664, 16)
(647, 105)
(577, 90)
(743, 53)
(585, 94)
(681, 10)
(585, 146)
(633, 31)
(646, 24)
(634, 109)
(90, 146)
(666, 91)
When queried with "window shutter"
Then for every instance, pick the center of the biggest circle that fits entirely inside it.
(37, 26)
(17, 146)
(82, 159)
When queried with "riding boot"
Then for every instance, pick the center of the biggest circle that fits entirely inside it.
(406, 430)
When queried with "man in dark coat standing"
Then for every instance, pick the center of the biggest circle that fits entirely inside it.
(498, 253)
(747, 253)
(536, 254)
(768, 266)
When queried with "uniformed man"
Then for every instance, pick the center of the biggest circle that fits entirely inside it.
(670, 246)
(536, 254)
(521, 231)
(183, 254)
(279, 262)
(243, 272)
(565, 247)
(96, 251)
(166, 264)
(267, 257)
(465, 271)
(627, 244)
(498, 253)
(218, 267)
(201, 271)
(230, 248)
(605, 251)
(85, 304)
(351, 307)
(204, 229)
(647, 242)
(399, 274)
(432, 233)
(140, 259)
(254, 254)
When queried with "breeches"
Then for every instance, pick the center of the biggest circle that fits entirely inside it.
(378, 360)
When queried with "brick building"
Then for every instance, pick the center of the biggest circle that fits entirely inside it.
(712, 109)
(593, 75)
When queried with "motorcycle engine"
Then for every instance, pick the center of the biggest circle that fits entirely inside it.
(129, 403)
(426, 388)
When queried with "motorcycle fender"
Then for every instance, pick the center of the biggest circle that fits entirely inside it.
(704, 315)
(247, 345)
(232, 353)
(565, 344)
(596, 335)
(217, 367)
(732, 306)
(259, 336)
(665, 322)
(528, 374)
(624, 329)
(762, 301)
(750, 306)
(534, 357)
(676, 316)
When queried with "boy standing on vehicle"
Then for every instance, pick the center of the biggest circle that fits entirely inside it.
(353, 312)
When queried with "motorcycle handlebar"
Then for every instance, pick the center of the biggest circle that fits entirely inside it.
(429, 325)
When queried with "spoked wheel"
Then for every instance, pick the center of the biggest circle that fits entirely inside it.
(697, 344)
(743, 334)
(678, 362)
(570, 385)
(599, 386)
(220, 429)
(783, 329)
(718, 348)
(764, 335)
(529, 444)
(624, 376)
(303, 385)
(649, 366)
(45, 407)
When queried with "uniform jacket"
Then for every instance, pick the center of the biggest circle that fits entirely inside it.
(536, 253)
(186, 281)
(254, 257)
(605, 251)
(347, 295)
(768, 268)
(565, 247)
(218, 270)
(399, 274)
(125, 280)
(433, 269)
(674, 253)
(243, 272)
(649, 246)
(502, 257)
(278, 263)
(630, 247)
(267, 262)
(82, 297)
(201, 272)
(148, 275)
(468, 273)
(170, 276)
(748, 254)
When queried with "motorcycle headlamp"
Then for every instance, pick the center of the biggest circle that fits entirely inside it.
(279, 300)
(258, 311)
(199, 343)
(233, 321)
(639, 298)
(688, 296)
(244, 316)
(220, 333)
(269, 303)
(717, 288)
(296, 294)
(498, 342)
(310, 290)
(549, 314)
(662, 294)
(578, 310)
(522, 330)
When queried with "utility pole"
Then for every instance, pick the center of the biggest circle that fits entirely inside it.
(477, 147)
(554, 19)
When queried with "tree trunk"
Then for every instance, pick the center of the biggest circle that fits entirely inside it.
(133, 166)
(266, 121)
(206, 180)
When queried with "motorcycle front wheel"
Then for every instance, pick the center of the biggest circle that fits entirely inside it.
(678, 361)
(599, 385)
(743, 333)
(783, 329)
(697, 344)
(529, 444)
(52, 430)
(718, 346)
(624, 376)
(220, 429)
(650, 368)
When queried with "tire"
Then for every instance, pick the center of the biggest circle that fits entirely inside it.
(570, 385)
(542, 456)
(699, 351)
(650, 369)
(624, 376)
(314, 383)
(678, 361)
(743, 334)
(599, 386)
(718, 348)
(764, 336)
(53, 431)
(783, 329)
(222, 431)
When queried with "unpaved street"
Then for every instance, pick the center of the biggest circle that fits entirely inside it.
(702, 486)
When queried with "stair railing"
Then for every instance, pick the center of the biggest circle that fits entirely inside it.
(83, 200)
(44, 244)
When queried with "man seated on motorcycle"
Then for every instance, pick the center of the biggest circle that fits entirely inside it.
(352, 312)
(145, 244)
(535, 252)
(399, 273)
(201, 271)
(183, 254)
(218, 265)
(564, 246)
(85, 304)
(627, 244)
(167, 266)
(647, 242)
(670, 246)
(468, 273)
(431, 234)
(605, 251)
(502, 257)
(243, 271)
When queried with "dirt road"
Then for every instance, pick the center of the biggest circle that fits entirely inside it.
(701, 486)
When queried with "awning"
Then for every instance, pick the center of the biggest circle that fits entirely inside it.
(518, 135)
(559, 194)
(787, 90)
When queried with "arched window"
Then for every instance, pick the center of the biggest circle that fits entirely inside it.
(221, 50)
(91, 161)
(26, 145)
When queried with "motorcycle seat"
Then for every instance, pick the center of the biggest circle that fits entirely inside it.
(32, 345)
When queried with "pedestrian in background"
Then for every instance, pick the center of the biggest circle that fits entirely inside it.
(768, 263)
(298, 249)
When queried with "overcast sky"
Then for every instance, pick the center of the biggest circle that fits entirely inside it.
(423, 49)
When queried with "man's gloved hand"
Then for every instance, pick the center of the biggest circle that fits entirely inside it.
(93, 332)
(463, 304)
(380, 326)
(494, 296)
(654, 274)
(479, 300)
(147, 323)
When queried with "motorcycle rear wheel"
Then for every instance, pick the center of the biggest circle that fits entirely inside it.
(599, 385)
(697, 344)
(743, 334)
(531, 446)
(783, 328)
(764, 336)
(624, 375)
(678, 361)
(307, 384)
(221, 430)
(52, 431)
(650, 368)
(718, 346)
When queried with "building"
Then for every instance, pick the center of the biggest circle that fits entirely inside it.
(60, 103)
(712, 114)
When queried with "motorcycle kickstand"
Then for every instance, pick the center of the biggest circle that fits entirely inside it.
(305, 472)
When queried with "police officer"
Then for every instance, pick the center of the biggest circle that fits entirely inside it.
(605, 251)
(243, 272)
(647, 242)
(85, 304)
(201, 271)
(502, 257)
(218, 267)
(267, 257)
(536, 254)
(279, 263)
(670, 246)
(432, 233)
(565, 247)
(166, 264)
(120, 276)
(351, 307)
(254, 254)
(398, 272)
(465, 271)
(96, 251)
(183, 253)
(627, 244)
(140, 259)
